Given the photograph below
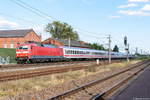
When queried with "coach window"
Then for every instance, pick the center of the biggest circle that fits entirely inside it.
(80, 52)
(84, 52)
(71, 51)
(75, 52)
(66, 52)
(87, 52)
(98, 53)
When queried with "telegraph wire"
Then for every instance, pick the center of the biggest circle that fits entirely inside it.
(27, 8)
(49, 15)
(24, 20)
(93, 36)
(36, 9)
(23, 4)
(18, 18)
(41, 13)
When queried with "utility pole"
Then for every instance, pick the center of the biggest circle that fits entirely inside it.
(109, 49)
(136, 51)
(69, 42)
(141, 51)
(128, 53)
(126, 48)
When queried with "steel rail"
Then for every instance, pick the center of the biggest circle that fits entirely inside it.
(42, 64)
(92, 83)
(41, 72)
(103, 95)
(47, 64)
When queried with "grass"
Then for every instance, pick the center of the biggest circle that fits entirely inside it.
(11, 52)
(13, 88)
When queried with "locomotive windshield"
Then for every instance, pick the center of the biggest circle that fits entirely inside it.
(23, 47)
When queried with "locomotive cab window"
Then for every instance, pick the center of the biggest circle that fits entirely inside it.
(23, 47)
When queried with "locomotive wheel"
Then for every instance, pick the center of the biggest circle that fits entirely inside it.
(18, 62)
(32, 61)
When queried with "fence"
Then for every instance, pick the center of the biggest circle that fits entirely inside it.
(4, 60)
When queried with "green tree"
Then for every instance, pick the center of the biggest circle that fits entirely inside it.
(96, 46)
(61, 31)
(116, 49)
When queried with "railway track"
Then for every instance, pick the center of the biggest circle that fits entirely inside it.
(40, 64)
(15, 75)
(14, 66)
(141, 66)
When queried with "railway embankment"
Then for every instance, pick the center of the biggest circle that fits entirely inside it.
(54, 84)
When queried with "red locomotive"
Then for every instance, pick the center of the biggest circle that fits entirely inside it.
(36, 52)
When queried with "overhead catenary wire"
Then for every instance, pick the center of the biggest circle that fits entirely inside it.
(29, 9)
(42, 14)
(37, 10)
(45, 14)
(92, 36)
(51, 17)
(18, 18)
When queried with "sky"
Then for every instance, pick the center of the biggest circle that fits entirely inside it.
(94, 20)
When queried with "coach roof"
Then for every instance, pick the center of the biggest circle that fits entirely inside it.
(14, 33)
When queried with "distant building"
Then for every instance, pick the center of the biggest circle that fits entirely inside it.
(58, 42)
(10, 38)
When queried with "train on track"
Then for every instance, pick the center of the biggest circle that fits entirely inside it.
(32, 52)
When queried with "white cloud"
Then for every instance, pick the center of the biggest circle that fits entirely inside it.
(114, 17)
(146, 7)
(5, 24)
(138, 0)
(128, 5)
(134, 13)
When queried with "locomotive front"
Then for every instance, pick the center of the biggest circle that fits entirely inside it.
(23, 53)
